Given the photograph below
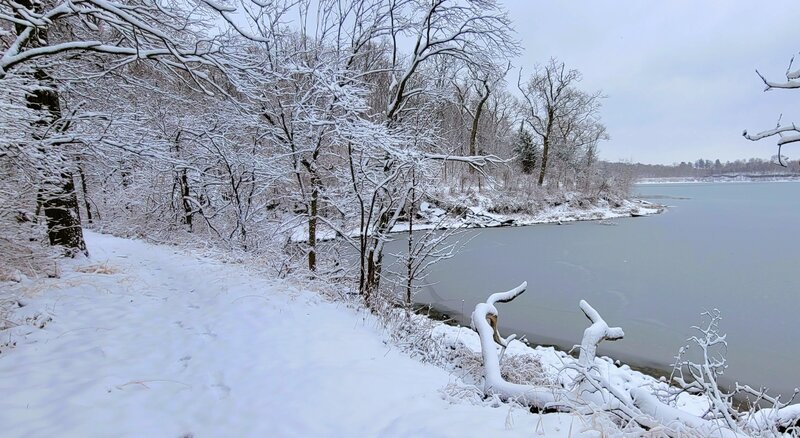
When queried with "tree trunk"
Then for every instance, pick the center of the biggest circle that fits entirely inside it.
(312, 227)
(373, 272)
(60, 205)
(85, 191)
(58, 196)
(183, 183)
(473, 135)
(546, 147)
(182, 178)
(410, 261)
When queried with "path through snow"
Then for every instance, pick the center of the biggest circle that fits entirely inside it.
(172, 345)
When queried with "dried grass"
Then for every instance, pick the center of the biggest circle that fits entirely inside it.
(23, 258)
(524, 369)
(97, 268)
(7, 304)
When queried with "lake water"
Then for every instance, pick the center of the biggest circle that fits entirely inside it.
(731, 246)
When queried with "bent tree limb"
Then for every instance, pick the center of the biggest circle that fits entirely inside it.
(592, 386)
(593, 389)
(594, 334)
(678, 422)
(638, 405)
(484, 321)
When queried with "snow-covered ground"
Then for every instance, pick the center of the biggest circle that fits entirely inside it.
(144, 340)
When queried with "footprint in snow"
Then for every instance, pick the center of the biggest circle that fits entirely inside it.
(223, 389)
(185, 361)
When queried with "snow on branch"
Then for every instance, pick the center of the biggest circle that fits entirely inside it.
(790, 83)
(594, 389)
(472, 160)
(484, 321)
(168, 35)
(779, 130)
(786, 418)
(787, 134)
(679, 422)
(594, 334)
(505, 297)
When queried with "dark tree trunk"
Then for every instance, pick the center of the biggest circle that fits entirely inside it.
(312, 208)
(183, 183)
(312, 227)
(58, 197)
(374, 262)
(60, 205)
(182, 178)
(546, 147)
(545, 150)
(473, 135)
(85, 190)
(410, 261)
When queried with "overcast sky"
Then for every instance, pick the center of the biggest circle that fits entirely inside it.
(679, 75)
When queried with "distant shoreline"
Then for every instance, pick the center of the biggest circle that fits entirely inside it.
(719, 179)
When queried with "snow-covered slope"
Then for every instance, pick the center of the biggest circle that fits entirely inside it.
(148, 341)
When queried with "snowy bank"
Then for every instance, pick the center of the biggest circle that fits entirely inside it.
(488, 212)
(482, 216)
(149, 341)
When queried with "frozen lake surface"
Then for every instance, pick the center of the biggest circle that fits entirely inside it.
(731, 246)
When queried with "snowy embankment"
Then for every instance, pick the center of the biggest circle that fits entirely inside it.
(479, 216)
(142, 340)
(145, 340)
(482, 212)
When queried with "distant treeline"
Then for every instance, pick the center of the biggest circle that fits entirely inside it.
(707, 168)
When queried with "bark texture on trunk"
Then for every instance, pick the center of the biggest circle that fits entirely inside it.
(58, 197)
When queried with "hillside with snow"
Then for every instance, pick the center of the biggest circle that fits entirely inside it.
(141, 340)
(152, 340)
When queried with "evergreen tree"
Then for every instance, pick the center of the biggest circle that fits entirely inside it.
(526, 151)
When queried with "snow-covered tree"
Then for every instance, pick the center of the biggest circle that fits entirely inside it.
(57, 43)
(561, 116)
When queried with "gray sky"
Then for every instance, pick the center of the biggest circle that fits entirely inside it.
(679, 75)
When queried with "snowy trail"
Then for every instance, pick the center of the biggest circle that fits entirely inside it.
(170, 345)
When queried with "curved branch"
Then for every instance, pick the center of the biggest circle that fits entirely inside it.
(484, 321)
(594, 334)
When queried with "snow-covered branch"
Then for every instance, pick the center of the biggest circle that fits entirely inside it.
(780, 131)
(678, 422)
(790, 83)
(594, 334)
(786, 133)
(484, 321)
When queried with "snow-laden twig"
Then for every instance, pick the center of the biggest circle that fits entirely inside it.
(786, 418)
(703, 377)
(782, 417)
